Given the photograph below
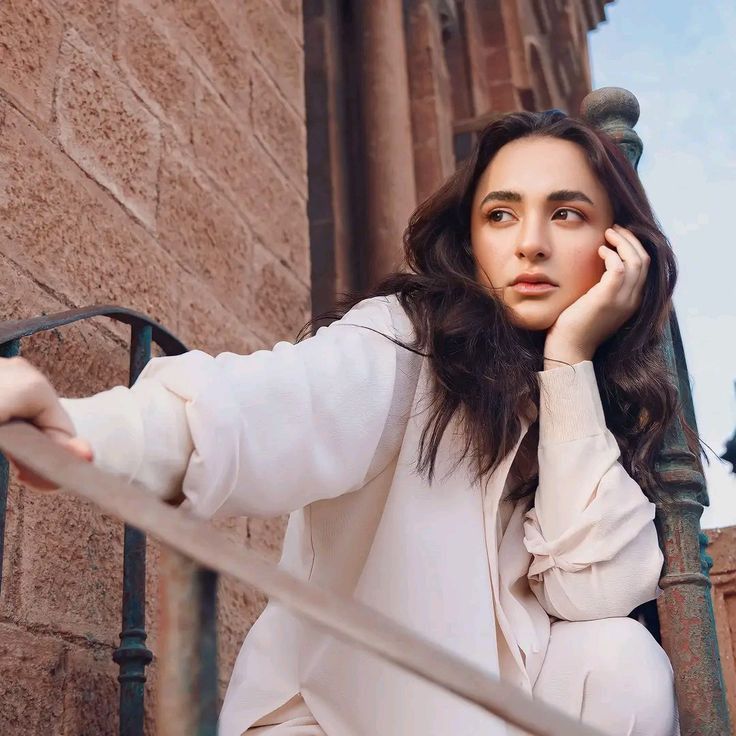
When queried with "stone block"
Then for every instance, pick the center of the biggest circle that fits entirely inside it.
(498, 65)
(274, 209)
(205, 324)
(9, 594)
(75, 240)
(282, 132)
(32, 673)
(503, 97)
(491, 23)
(239, 604)
(215, 44)
(238, 607)
(71, 568)
(95, 20)
(281, 303)
(156, 67)
(291, 16)
(30, 34)
(106, 129)
(205, 234)
(91, 693)
(262, 25)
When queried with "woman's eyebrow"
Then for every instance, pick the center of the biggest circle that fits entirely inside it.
(561, 195)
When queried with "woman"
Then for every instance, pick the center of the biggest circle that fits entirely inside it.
(469, 449)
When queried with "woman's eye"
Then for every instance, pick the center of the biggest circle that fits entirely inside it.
(568, 212)
(496, 215)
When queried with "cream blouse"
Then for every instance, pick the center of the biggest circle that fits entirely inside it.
(327, 431)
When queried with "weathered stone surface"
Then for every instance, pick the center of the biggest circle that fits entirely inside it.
(274, 209)
(498, 65)
(239, 606)
(32, 671)
(95, 20)
(503, 97)
(155, 66)
(30, 34)
(292, 17)
(216, 45)
(281, 304)
(106, 130)
(79, 360)
(71, 568)
(9, 596)
(91, 694)
(278, 52)
(75, 240)
(280, 129)
(204, 323)
(262, 26)
(204, 233)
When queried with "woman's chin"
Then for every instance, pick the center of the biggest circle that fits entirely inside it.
(532, 322)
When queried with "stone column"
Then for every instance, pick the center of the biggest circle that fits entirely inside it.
(431, 104)
(390, 192)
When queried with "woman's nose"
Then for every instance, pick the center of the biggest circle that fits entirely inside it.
(533, 242)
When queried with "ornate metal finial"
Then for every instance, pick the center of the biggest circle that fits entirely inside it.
(615, 111)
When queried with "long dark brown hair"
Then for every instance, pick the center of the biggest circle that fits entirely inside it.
(485, 368)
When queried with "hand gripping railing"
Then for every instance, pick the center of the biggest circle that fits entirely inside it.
(346, 618)
(132, 655)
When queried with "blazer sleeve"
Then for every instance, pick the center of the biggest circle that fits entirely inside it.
(260, 434)
(591, 531)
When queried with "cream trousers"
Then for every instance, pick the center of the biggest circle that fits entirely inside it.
(609, 673)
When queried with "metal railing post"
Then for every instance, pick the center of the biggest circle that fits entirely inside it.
(7, 350)
(132, 655)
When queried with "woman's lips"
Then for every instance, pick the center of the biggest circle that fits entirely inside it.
(527, 287)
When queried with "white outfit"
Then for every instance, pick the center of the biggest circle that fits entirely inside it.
(328, 431)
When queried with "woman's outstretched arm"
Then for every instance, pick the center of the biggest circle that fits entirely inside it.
(591, 531)
(260, 434)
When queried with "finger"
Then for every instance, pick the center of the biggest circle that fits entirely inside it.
(81, 448)
(635, 242)
(75, 445)
(641, 250)
(614, 276)
(632, 262)
(29, 478)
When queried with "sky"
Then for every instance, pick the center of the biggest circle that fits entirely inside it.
(678, 57)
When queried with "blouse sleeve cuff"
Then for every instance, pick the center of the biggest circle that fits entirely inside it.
(570, 405)
(110, 422)
(154, 452)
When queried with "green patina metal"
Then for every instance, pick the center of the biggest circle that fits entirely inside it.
(685, 609)
(132, 655)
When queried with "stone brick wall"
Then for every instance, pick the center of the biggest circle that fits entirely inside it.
(152, 155)
(722, 549)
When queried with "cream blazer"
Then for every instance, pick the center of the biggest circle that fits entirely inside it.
(327, 430)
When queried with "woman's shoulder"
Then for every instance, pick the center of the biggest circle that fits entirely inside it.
(384, 313)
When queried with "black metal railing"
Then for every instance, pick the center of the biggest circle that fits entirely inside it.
(132, 656)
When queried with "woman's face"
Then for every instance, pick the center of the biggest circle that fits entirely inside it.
(539, 209)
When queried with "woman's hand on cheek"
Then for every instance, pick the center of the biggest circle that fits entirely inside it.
(603, 309)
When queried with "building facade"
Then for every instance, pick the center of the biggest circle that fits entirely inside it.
(227, 168)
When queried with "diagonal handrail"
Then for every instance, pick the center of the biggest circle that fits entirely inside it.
(343, 617)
